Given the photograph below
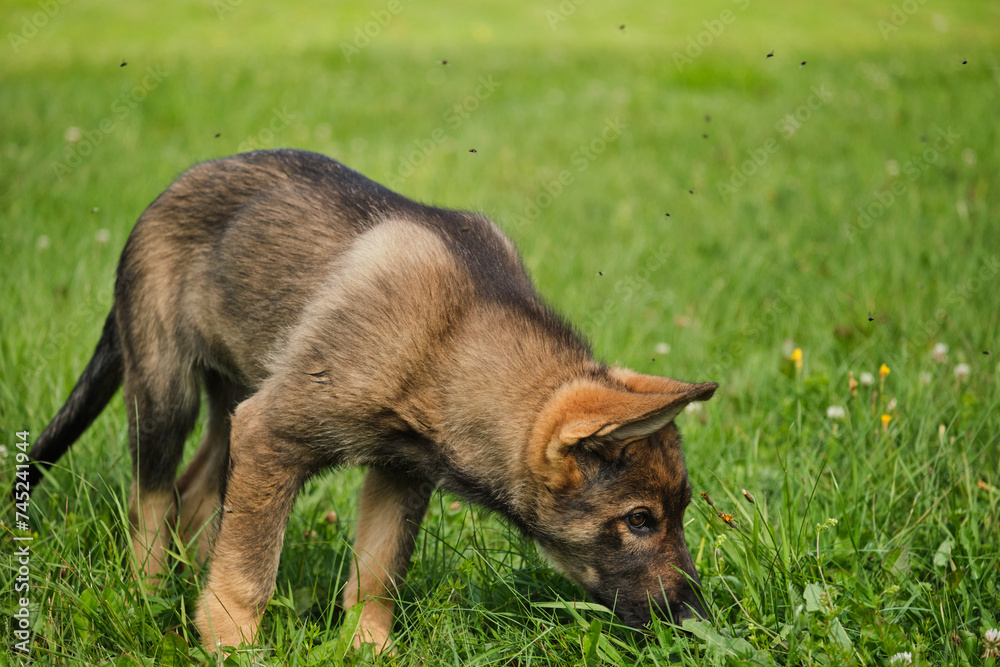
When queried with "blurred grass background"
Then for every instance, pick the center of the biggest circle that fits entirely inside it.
(810, 205)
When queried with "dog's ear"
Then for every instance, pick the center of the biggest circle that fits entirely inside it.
(602, 414)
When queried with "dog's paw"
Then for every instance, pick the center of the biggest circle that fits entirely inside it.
(375, 634)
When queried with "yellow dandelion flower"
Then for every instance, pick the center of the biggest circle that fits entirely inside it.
(797, 358)
(883, 370)
(727, 517)
(885, 421)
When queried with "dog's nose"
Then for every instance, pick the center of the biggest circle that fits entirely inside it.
(688, 608)
(689, 602)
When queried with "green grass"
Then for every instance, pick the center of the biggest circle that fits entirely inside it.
(796, 253)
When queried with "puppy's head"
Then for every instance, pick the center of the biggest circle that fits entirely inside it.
(614, 486)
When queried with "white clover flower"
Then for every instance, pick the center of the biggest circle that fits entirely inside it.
(835, 412)
(662, 348)
(867, 379)
(693, 408)
(991, 643)
(940, 353)
(3, 452)
(102, 236)
(904, 657)
(962, 372)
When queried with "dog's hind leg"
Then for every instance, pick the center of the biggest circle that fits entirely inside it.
(392, 506)
(162, 404)
(198, 485)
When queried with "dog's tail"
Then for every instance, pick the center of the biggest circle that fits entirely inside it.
(99, 382)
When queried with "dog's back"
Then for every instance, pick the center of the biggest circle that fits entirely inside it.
(240, 248)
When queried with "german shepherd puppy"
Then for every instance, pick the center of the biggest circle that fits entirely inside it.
(333, 322)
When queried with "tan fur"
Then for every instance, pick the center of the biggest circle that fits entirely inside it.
(198, 491)
(246, 552)
(151, 515)
(198, 487)
(221, 624)
(589, 409)
(391, 509)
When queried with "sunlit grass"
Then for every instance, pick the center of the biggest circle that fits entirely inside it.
(847, 208)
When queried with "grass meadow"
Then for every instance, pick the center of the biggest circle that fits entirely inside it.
(779, 197)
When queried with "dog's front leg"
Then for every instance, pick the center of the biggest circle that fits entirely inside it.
(392, 506)
(266, 472)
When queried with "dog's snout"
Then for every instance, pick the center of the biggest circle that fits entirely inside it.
(691, 607)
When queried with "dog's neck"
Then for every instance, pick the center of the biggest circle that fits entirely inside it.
(486, 407)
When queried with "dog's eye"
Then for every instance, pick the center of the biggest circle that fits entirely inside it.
(638, 519)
